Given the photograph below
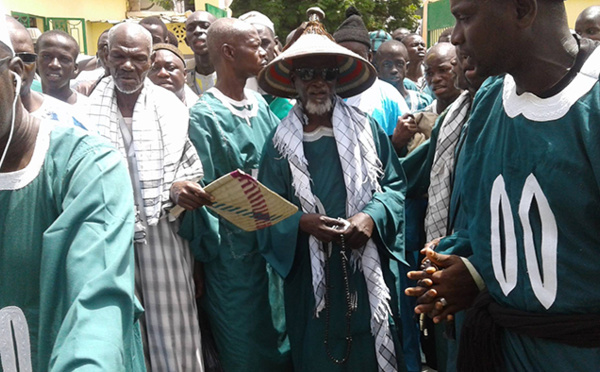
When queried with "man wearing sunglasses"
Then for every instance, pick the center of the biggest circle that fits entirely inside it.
(338, 166)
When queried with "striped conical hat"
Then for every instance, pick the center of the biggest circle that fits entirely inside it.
(356, 73)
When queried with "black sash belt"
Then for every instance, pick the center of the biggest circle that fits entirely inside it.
(480, 342)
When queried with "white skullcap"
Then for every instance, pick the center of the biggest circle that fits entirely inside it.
(4, 36)
(255, 17)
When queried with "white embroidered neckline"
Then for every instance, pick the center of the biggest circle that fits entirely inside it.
(234, 106)
(23, 177)
(317, 134)
(539, 109)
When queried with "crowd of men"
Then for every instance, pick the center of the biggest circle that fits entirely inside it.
(480, 149)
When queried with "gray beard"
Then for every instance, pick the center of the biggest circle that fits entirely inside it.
(318, 108)
(128, 91)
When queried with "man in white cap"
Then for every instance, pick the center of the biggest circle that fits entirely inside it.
(229, 126)
(337, 165)
(269, 42)
(66, 275)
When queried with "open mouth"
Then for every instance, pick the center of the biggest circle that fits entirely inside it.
(53, 76)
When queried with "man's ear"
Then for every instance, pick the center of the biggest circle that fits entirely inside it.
(228, 52)
(75, 71)
(16, 65)
(186, 42)
(526, 11)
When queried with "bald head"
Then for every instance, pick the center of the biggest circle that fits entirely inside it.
(588, 23)
(439, 71)
(394, 48)
(390, 61)
(131, 33)
(223, 31)
(235, 50)
(441, 51)
(129, 50)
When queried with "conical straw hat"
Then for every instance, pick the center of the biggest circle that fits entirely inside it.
(356, 73)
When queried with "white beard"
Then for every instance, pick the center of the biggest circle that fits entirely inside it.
(318, 108)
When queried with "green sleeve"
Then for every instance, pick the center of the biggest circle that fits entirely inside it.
(200, 227)
(387, 207)
(90, 248)
(274, 173)
(206, 140)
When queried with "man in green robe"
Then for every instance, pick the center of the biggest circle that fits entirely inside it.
(526, 190)
(66, 254)
(229, 126)
(337, 165)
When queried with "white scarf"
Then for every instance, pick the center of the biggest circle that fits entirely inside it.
(163, 151)
(440, 187)
(362, 168)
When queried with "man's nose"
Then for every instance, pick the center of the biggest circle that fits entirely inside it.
(163, 73)
(128, 65)
(54, 63)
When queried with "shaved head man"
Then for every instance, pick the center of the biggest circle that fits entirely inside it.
(526, 172)
(229, 126)
(440, 76)
(149, 125)
(391, 61)
(201, 75)
(588, 23)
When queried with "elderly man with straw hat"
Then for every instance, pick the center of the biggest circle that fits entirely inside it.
(337, 165)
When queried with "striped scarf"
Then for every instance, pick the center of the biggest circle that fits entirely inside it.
(163, 150)
(362, 168)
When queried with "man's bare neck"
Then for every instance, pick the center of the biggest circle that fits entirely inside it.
(32, 101)
(203, 64)
(65, 94)
(22, 144)
(231, 86)
(126, 102)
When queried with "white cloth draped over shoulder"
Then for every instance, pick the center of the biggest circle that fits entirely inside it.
(163, 150)
(362, 169)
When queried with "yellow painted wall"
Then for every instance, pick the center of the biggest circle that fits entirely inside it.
(91, 10)
(574, 7)
(94, 29)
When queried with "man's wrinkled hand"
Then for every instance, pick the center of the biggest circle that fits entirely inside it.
(190, 195)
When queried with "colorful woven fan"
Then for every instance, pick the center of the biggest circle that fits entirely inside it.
(245, 202)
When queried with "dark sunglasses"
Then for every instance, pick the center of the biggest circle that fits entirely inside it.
(27, 57)
(308, 74)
